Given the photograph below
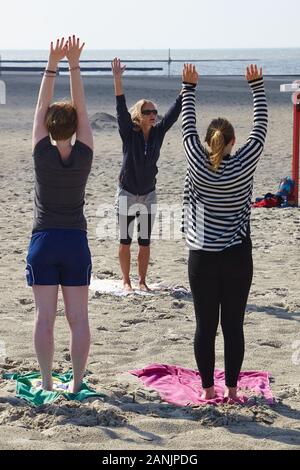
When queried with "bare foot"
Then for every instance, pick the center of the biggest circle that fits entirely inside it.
(72, 388)
(208, 393)
(143, 286)
(48, 386)
(127, 287)
(231, 393)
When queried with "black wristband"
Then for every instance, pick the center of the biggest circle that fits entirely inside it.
(50, 71)
(188, 83)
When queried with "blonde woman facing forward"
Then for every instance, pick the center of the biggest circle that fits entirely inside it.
(142, 137)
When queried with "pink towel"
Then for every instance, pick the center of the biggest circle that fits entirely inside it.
(183, 387)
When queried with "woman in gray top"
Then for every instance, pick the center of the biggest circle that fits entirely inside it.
(58, 252)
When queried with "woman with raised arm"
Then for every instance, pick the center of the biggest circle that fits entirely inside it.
(216, 222)
(142, 138)
(58, 252)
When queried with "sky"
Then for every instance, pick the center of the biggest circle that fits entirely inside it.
(155, 24)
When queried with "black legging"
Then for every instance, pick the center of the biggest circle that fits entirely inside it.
(144, 228)
(220, 279)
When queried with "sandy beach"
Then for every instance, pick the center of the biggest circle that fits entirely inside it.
(134, 331)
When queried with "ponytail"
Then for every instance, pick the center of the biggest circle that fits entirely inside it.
(217, 145)
(219, 133)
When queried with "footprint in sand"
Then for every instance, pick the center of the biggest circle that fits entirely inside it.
(174, 337)
(181, 260)
(9, 364)
(102, 328)
(271, 343)
(107, 273)
(25, 301)
(146, 395)
(289, 392)
(164, 316)
(134, 321)
(177, 304)
(67, 356)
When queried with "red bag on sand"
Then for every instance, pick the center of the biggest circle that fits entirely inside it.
(269, 202)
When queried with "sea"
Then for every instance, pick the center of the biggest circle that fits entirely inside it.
(170, 61)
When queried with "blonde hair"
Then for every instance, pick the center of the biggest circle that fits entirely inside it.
(61, 120)
(219, 133)
(136, 112)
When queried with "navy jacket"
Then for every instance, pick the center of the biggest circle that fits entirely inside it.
(139, 168)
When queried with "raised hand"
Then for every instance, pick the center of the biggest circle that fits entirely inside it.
(57, 52)
(74, 50)
(190, 74)
(117, 68)
(252, 72)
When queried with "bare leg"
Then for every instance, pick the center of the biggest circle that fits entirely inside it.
(76, 305)
(124, 257)
(143, 262)
(46, 305)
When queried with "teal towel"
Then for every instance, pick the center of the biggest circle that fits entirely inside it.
(28, 387)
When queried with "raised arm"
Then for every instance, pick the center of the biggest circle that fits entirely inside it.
(193, 148)
(46, 91)
(118, 70)
(123, 115)
(171, 115)
(84, 131)
(260, 109)
(253, 148)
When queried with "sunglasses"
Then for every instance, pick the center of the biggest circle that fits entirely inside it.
(147, 112)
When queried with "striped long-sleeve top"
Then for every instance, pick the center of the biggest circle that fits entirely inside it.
(217, 204)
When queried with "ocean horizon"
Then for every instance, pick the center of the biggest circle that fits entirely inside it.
(279, 61)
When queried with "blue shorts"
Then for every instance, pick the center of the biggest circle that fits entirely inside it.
(59, 256)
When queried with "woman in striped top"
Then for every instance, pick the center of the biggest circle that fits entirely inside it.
(216, 221)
